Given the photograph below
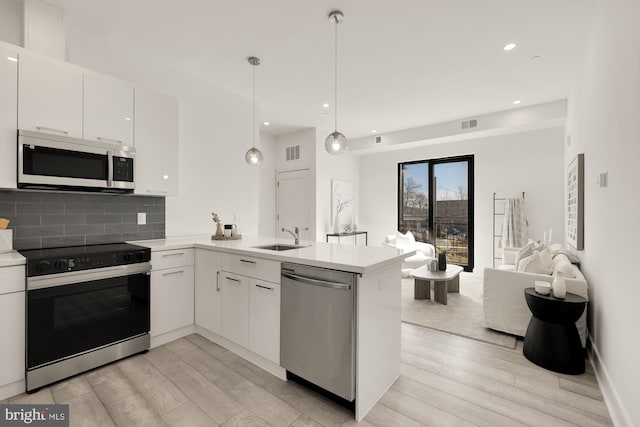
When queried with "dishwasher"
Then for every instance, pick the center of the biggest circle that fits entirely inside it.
(318, 327)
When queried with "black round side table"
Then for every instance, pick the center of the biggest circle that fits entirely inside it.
(552, 339)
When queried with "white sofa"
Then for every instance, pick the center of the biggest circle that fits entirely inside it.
(503, 305)
(425, 252)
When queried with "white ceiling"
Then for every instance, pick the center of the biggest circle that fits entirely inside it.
(402, 64)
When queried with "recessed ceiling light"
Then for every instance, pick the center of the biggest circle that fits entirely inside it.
(266, 123)
(509, 46)
(12, 59)
(325, 105)
(374, 131)
(516, 102)
(127, 119)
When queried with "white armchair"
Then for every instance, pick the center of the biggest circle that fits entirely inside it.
(425, 252)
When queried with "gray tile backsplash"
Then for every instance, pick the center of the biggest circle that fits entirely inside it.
(49, 219)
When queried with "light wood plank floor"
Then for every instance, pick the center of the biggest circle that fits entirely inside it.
(446, 381)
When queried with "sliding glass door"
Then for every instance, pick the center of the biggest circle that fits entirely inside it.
(435, 202)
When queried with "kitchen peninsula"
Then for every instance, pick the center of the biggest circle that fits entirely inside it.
(236, 288)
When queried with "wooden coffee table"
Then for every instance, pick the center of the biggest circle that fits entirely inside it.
(443, 282)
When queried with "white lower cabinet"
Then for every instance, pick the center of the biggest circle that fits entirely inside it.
(264, 319)
(240, 308)
(234, 310)
(12, 327)
(172, 293)
(208, 292)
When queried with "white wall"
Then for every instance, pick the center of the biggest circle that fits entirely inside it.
(509, 164)
(345, 167)
(267, 187)
(603, 124)
(215, 133)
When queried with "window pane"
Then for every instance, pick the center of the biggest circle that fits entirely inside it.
(451, 219)
(414, 212)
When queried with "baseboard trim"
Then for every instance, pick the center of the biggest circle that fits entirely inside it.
(619, 415)
(159, 340)
(13, 389)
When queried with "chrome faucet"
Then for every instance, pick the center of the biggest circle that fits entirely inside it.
(295, 233)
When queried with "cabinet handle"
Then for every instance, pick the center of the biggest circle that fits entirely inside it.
(174, 254)
(157, 191)
(100, 138)
(217, 281)
(247, 261)
(232, 279)
(173, 272)
(62, 131)
(264, 287)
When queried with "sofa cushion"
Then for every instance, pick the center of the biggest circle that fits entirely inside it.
(539, 263)
(561, 263)
(405, 241)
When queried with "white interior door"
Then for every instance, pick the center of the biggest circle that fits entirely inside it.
(294, 204)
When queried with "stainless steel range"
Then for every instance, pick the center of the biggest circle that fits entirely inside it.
(86, 306)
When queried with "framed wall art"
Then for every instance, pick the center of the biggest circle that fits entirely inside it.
(575, 203)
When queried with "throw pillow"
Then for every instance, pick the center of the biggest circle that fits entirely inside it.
(561, 263)
(525, 251)
(534, 264)
(402, 241)
(411, 237)
(546, 258)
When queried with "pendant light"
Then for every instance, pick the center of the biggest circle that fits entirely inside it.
(253, 155)
(336, 143)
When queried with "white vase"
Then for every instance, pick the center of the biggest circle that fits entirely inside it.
(336, 224)
(559, 286)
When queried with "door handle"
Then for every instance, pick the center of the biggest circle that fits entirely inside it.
(173, 272)
(100, 138)
(62, 131)
(316, 282)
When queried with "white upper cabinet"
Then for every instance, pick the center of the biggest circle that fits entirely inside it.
(108, 109)
(156, 142)
(50, 95)
(9, 115)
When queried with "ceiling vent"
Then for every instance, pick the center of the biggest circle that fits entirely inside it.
(293, 153)
(468, 124)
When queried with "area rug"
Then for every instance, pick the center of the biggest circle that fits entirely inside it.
(461, 316)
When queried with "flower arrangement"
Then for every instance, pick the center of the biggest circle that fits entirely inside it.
(216, 219)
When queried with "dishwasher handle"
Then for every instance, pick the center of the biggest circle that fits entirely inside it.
(316, 282)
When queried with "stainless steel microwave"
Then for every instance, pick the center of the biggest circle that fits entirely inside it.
(59, 162)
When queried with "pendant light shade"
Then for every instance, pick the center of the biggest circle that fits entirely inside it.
(254, 156)
(336, 143)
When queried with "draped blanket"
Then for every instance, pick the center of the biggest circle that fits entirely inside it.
(514, 225)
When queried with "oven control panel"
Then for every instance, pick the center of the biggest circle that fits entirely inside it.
(53, 262)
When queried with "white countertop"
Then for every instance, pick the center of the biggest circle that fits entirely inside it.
(8, 259)
(356, 259)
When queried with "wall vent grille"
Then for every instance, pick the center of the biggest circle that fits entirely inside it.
(467, 124)
(293, 153)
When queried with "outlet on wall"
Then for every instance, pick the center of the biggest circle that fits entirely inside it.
(142, 218)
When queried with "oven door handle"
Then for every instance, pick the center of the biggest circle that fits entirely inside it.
(59, 279)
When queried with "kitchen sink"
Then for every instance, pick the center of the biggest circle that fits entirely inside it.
(279, 247)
